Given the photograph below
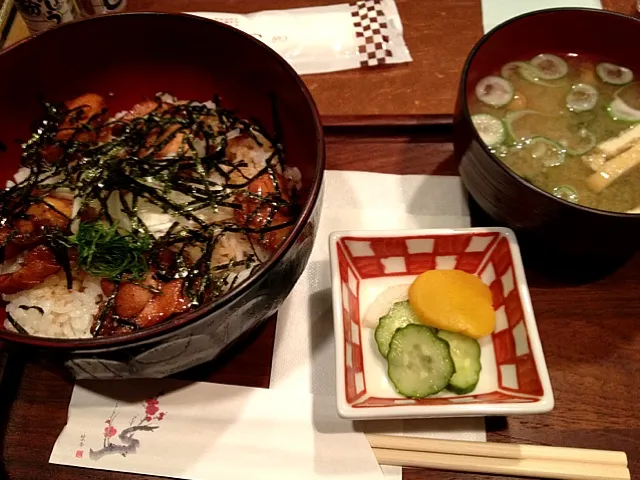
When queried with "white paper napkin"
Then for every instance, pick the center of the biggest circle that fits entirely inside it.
(303, 358)
(203, 431)
(494, 12)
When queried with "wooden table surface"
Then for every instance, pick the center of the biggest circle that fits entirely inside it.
(590, 329)
(590, 333)
(438, 33)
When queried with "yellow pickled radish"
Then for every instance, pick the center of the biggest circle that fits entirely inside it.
(453, 300)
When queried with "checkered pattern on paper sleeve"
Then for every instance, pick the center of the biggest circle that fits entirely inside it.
(231, 21)
(371, 29)
(355, 386)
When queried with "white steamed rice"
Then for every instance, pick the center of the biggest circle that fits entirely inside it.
(66, 313)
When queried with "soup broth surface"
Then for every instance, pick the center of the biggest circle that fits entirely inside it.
(549, 136)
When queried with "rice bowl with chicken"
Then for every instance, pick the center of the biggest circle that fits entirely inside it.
(115, 223)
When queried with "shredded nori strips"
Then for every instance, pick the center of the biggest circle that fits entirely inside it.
(127, 161)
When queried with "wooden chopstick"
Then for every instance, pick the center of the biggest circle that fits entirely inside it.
(561, 470)
(499, 450)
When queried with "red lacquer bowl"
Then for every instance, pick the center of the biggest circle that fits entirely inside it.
(127, 57)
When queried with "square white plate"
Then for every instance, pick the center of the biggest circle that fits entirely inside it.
(514, 378)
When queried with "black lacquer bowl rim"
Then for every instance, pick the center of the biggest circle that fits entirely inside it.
(476, 137)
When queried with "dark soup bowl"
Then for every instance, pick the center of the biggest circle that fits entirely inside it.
(126, 58)
(549, 223)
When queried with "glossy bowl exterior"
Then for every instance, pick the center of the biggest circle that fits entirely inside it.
(126, 57)
(546, 221)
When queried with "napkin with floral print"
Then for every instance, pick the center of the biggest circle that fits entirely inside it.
(204, 431)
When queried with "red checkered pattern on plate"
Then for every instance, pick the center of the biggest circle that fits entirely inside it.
(484, 254)
(516, 367)
(355, 386)
(375, 257)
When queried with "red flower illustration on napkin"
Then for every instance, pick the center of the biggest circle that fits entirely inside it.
(127, 442)
(151, 410)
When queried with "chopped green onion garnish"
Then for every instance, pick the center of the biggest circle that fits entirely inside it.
(567, 193)
(104, 252)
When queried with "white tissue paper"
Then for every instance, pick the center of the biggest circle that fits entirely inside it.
(495, 12)
(303, 358)
(204, 431)
(362, 33)
(201, 431)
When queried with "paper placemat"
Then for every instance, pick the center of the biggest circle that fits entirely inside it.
(494, 12)
(204, 431)
(303, 357)
(218, 431)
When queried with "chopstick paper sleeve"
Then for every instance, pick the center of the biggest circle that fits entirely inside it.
(360, 34)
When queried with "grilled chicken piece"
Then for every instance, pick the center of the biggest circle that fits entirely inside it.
(174, 144)
(86, 110)
(37, 265)
(107, 287)
(28, 231)
(52, 212)
(171, 134)
(256, 213)
(85, 115)
(141, 306)
(144, 108)
(131, 299)
(163, 305)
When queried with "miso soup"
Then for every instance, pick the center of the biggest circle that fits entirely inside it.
(566, 124)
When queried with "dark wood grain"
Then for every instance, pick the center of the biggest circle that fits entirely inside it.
(590, 330)
(590, 333)
(439, 35)
(422, 87)
(3, 361)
